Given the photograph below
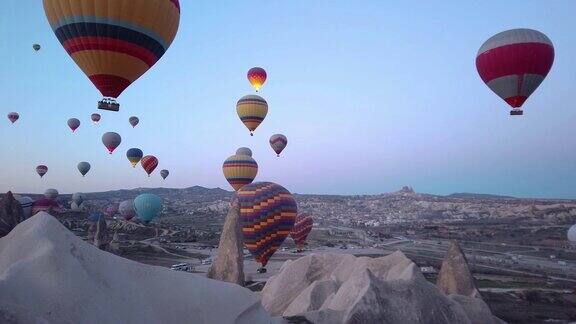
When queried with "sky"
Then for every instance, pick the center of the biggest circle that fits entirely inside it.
(372, 95)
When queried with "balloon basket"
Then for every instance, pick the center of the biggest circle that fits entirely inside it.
(516, 112)
(108, 104)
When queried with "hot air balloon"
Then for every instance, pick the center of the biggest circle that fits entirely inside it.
(26, 204)
(46, 205)
(149, 164)
(252, 110)
(36, 47)
(83, 167)
(513, 63)
(133, 121)
(41, 170)
(51, 193)
(240, 170)
(13, 117)
(126, 209)
(114, 44)
(302, 228)
(267, 212)
(572, 235)
(111, 140)
(147, 207)
(78, 198)
(257, 76)
(244, 151)
(164, 174)
(134, 155)
(73, 123)
(111, 210)
(96, 118)
(278, 143)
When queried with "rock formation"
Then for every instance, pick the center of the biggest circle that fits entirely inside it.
(11, 214)
(341, 288)
(229, 263)
(49, 275)
(455, 276)
(101, 236)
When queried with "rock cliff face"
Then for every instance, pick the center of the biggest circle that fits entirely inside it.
(48, 275)
(455, 276)
(340, 288)
(11, 214)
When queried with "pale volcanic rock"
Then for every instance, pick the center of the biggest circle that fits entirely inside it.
(454, 276)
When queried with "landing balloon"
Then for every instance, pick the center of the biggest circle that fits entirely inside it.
(147, 207)
(267, 212)
(111, 140)
(73, 123)
(13, 117)
(127, 210)
(83, 168)
(240, 170)
(257, 76)
(514, 63)
(51, 193)
(302, 228)
(149, 164)
(26, 204)
(114, 42)
(78, 198)
(278, 143)
(134, 155)
(252, 110)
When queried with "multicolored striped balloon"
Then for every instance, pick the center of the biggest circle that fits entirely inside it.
(302, 228)
(41, 170)
(240, 170)
(252, 110)
(73, 123)
(95, 118)
(114, 42)
(13, 117)
(268, 212)
(257, 76)
(278, 143)
(111, 140)
(514, 63)
(149, 164)
(134, 155)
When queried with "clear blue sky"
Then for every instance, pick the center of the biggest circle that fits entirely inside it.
(372, 95)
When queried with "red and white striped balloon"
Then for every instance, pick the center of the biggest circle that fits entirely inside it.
(513, 63)
(149, 163)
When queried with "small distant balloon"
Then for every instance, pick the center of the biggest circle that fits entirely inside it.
(244, 151)
(133, 121)
(96, 118)
(36, 47)
(73, 123)
(257, 77)
(149, 164)
(126, 209)
(83, 167)
(164, 174)
(41, 170)
(111, 140)
(147, 207)
(252, 110)
(78, 198)
(13, 117)
(51, 193)
(278, 143)
(134, 155)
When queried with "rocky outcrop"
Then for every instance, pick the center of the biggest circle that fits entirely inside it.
(455, 276)
(340, 288)
(101, 235)
(11, 213)
(49, 275)
(229, 263)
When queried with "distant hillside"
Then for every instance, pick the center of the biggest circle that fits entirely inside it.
(467, 195)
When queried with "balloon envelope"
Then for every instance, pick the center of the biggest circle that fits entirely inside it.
(114, 42)
(41, 170)
(164, 174)
(112, 210)
(513, 63)
(73, 123)
(127, 210)
(51, 193)
(149, 164)
(239, 170)
(13, 117)
(302, 228)
(244, 151)
(133, 121)
(252, 110)
(572, 234)
(111, 140)
(147, 206)
(95, 118)
(78, 198)
(36, 47)
(278, 143)
(26, 204)
(46, 205)
(257, 76)
(267, 212)
(134, 155)
(83, 168)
